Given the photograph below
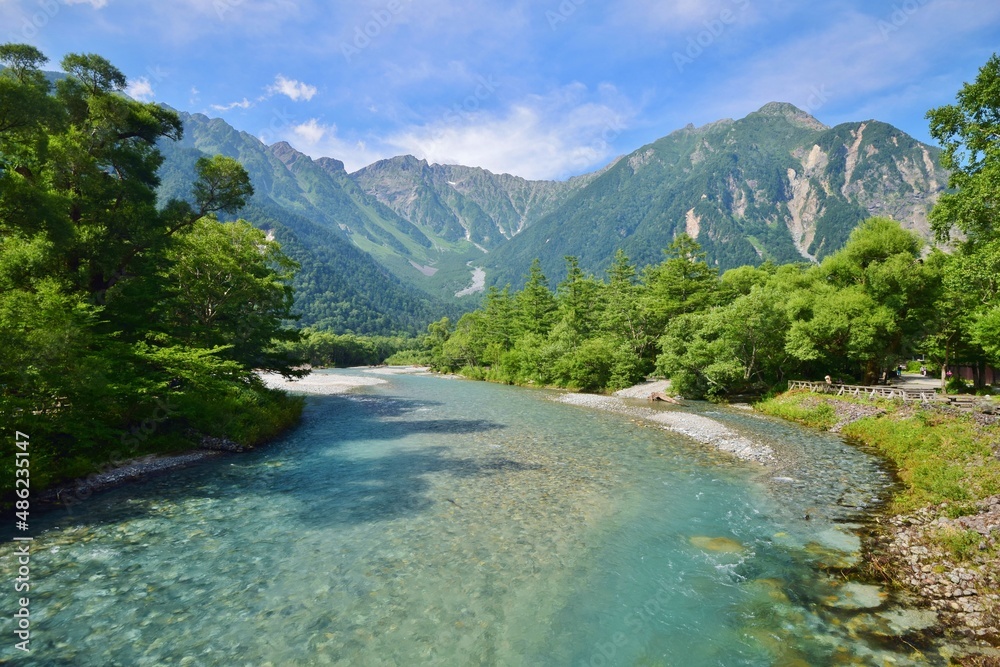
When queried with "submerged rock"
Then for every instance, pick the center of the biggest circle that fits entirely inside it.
(904, 621)
(718, 544)
(853, 595)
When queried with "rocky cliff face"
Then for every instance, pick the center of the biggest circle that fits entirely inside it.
(459, 202)
(870, 165)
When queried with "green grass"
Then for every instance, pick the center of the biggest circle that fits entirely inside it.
(800, 406)
(250, 415)
(409, 358)
(963, 545)
(939, 457)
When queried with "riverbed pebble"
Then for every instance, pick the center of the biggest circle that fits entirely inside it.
(962, 590)
(320, 383)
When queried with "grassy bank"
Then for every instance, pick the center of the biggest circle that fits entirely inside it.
(941, 455)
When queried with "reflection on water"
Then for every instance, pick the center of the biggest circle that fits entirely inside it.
(455, 523)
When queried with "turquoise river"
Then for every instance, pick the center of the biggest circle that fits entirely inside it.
(435, 521)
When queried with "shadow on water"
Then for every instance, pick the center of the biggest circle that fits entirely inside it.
(341, 487)
(384, 488)
(320, 467)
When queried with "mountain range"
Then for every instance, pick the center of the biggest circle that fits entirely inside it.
(401, 242)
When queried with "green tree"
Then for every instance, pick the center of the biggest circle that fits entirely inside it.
(969, 133)
(109, 305)
(869, 305)
(579, 301)
(735, 348)
(498, 327)
(623, 325)
(438, 334)
(231, 289)
(466, 346)
(535, 305)
(682, 283)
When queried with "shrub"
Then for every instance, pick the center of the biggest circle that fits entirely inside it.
(962, 544)
(802, 407)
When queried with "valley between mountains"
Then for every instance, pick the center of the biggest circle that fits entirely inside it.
(391, 246)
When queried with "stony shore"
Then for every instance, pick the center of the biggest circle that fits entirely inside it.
(123, 473)
(963, 592)
(644, 389)
(946, 554)
(320, 384)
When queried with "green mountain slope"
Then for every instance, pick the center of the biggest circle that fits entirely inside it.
(433, 253)
(339, 287)
(413, 238)
(775, 185)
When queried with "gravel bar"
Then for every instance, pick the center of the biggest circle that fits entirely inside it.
(702, 429)
(320, 384)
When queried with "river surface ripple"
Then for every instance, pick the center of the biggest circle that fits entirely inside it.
(430, 521)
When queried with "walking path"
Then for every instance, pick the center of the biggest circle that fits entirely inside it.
(917, 382)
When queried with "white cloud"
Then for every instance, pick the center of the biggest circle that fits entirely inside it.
(295, 90)
(851, 66)
(243, 104)
(96, 4)
(541, 137)
(318, 140)
(140, 89)
(312, 132)
(522, 142)
(551, 136)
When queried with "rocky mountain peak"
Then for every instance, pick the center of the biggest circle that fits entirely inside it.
(793, 114)
(285, 152)
(332, 166)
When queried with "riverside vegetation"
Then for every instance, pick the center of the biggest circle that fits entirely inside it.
(128, 326)
(940, 535)
(881, 299)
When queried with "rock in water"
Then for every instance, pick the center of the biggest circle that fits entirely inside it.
(717, 544)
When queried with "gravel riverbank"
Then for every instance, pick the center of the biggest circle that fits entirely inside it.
(702, 429)
(644, 389)
(964, 591)
(123, 473)
(320, 383)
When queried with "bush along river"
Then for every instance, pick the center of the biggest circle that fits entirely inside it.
(433, 521)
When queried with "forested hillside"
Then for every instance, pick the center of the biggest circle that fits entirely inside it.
(775, 186)
(881, 299)
(338, 287)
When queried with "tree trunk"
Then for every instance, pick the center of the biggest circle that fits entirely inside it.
(944, 371)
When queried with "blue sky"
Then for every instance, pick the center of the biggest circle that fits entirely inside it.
(540, 89)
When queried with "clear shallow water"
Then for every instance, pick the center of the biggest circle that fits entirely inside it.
(444, 522)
